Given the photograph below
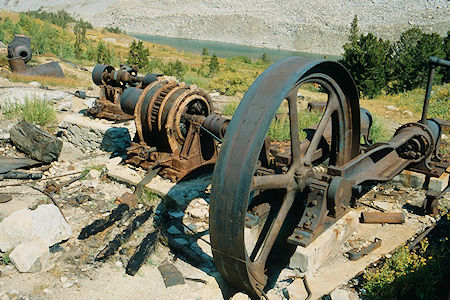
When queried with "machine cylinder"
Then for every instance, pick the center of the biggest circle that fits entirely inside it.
(129, 99)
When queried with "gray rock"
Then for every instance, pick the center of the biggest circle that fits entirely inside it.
(70, 153)
(30, 256)
(64, 106)
(45, 222)
(341, 294)
(93, 174)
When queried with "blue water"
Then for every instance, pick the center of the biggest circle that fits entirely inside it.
(224, 49)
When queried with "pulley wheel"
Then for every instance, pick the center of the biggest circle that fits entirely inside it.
(236, 187)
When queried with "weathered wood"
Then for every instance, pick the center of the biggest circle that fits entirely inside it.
(379, 217)
(35, 142)
(102, 224)
(8, 164)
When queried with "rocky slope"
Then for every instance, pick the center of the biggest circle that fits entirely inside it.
(310, 25)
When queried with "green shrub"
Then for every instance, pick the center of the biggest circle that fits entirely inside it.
(138, 54)
(279, 130)
(378, 131)
(176, 69)
(230, 107)
(60, 18)
(368, 60)
(410, 64)
(116, 29)
(229, 83)
(423, 274)
(213, 65)
(36, 111)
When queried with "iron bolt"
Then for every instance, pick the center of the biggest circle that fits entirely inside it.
(307, 224)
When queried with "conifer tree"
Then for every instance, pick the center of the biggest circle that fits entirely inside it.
(138, 55)
(213, 65)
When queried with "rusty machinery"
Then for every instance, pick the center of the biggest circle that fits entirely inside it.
(292, 202)
(176, 129)
(19, 53)
(112, 84)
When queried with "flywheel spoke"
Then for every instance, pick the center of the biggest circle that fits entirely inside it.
(265, 247)
(293, 123)
(331, 107)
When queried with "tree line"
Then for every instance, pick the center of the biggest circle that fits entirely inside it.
(381, 66)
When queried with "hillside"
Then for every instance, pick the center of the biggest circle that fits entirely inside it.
(314, 26)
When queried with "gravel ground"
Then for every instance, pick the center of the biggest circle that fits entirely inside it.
(311, 26)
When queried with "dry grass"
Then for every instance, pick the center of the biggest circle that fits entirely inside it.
(70, 82)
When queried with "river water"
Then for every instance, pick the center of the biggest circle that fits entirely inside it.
(225, 49)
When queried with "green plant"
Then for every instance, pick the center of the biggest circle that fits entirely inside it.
(368, 60)
(5, 258)
(36, 111)
(176, 69)
(279, 130)
(60, 18)
(138, 55)
(230, 83)
(379, 131)
(116, 29)
(423, 274)
(103, 54)
(411, 54)
(149, 198)
(213, 65)
(230, 107)
(205, 51)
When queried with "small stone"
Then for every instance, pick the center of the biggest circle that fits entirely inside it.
(47, 291)
(35, 83)
(339, 294)
(173, 230)
(30, 256)
(56, 248)
(5, 297)
(240, 296)
(93, 175)
(118, 264)
(388, 256)
(408, 113)
(64, 106)
(199, 213)
(68, 284)
(391, 107)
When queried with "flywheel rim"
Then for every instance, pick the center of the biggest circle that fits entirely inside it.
(231, 187)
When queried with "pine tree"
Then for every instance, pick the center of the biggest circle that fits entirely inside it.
(103, 54)
(411, 54)
(368, 60)
(138, 55)
(80, 37)
(213, 65)
(205, 51)
(354, 30)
